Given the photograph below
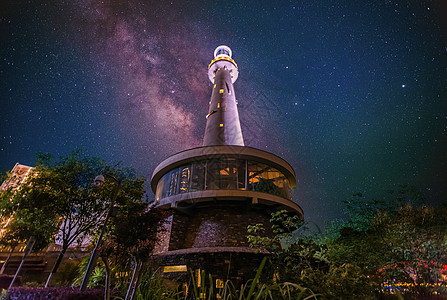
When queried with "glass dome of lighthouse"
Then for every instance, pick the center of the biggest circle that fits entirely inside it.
(222, 51)
(222, 59)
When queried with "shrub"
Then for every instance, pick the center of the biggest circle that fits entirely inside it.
(5, 281)
(54, 293)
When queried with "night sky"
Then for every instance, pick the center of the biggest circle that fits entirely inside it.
(352, 94)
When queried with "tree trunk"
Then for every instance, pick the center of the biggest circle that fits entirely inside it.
(137, 281)
(108, 275)
(28, 249)
(56, 265)
(2, 270)
(131, 280)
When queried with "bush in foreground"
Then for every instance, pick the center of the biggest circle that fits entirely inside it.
(53, 293)
(5, 281)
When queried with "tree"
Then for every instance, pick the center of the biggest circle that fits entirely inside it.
(132, 228)
(130, 241)
(395, 238)
(24, 222)
(64, 193)
(417, 239)
(299, 259)
(135, 235)
(6, 240)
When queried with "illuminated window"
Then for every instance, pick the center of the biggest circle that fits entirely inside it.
(225, 171)
(215, 86)
(219, 284)
(221, 125)
(198, 275)
(208, 115)
(174, 269)
(221, 91)
(184, 179)
(263, 178)
(218, 105)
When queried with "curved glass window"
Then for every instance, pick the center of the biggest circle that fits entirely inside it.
(223, 51)
(223, 174)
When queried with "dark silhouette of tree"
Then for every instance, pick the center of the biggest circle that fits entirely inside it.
(61, 197)
(132, 239)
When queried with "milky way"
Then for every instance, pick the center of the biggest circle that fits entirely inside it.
(352, 94)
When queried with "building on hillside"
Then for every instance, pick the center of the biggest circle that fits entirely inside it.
(217, 190)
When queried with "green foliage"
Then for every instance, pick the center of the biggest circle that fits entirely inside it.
(341, 268)
(253, 289)
(57, 195)
(363, 212)
(67, 273)
(403, 241)
(284, 225)
(135, 229)
(98, 275)
(339, 282)
(267, 186)
(25, 221)
(152, 287)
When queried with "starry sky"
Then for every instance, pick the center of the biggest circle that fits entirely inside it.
(352, 94)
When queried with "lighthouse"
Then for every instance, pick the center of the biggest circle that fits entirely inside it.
(215, 191)
(223, 126)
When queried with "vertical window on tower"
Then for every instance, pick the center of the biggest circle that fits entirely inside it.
(160, 186)
(213, 175)
(228, 174)
(185, 175)
(221, 91)
(173, 183)
(266, 179)
(241, 174)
